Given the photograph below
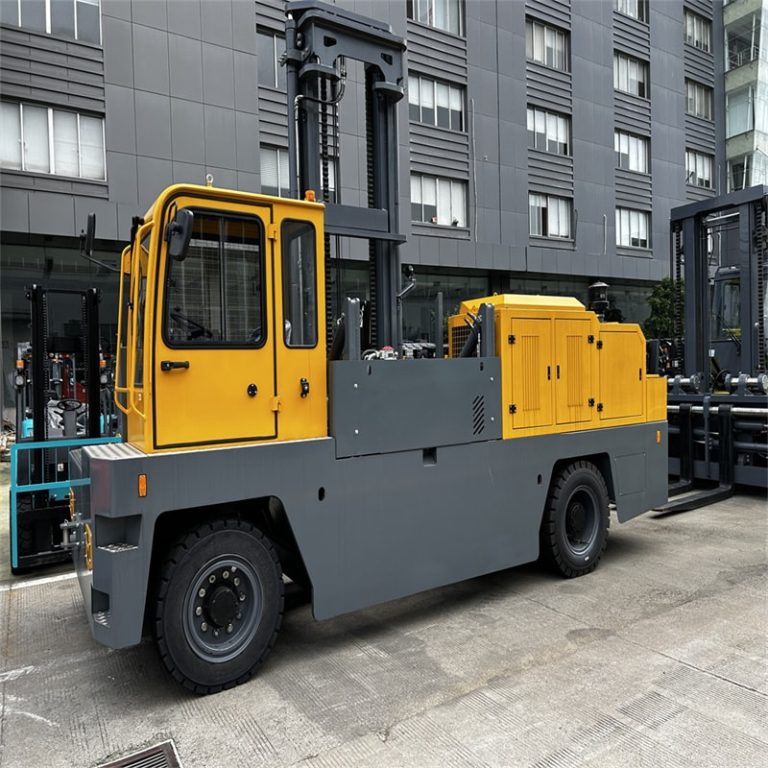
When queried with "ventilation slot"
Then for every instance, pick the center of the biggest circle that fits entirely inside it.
(161, 756)
(478, 415)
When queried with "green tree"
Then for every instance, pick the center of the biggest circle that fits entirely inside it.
(662, 301)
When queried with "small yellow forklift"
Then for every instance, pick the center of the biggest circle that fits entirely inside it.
(360, 474)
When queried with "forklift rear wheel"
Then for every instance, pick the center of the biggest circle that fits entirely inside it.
(574, 531)
(219, 605)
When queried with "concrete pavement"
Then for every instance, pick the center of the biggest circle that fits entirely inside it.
(656, 659)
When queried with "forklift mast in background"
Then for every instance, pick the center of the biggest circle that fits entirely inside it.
(319, 40)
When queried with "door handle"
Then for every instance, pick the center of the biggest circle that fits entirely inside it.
(171, 365)
(304, 384)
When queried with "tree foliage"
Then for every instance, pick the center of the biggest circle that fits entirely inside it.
(662, 301)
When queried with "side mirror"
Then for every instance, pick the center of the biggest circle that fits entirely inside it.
(179, 233)
(87, 236)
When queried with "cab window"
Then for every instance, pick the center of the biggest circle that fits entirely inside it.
(215, 294)
(299, 284)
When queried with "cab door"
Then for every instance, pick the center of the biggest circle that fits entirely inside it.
(214, 355)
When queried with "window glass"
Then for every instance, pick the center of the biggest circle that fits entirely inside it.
(92, 148)
(65, 156)
(546, 45)
(36, 155)
(299, 284)
(63, 18)
(10, 135)
(215, 295)
(443, 113)
(141, 306)
(727, 318)
(265, 52)
(33, 14)
(443, 202)
(457, 109)
(427, 92)
(429, 199)
(9, 12)
(442, 14)
(548, 131)
(438, 201)
(632, 228)
(413, 99)
(88, 24)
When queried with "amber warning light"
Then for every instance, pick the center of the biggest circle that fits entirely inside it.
(142, 486)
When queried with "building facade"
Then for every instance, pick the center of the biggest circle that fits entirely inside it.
(542, 143)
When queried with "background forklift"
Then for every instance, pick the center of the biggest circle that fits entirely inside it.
(63, 401)
(716, 364)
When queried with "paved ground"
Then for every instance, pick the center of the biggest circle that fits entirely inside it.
(657, 659)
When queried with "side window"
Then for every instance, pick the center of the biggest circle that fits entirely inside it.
(299, 284)
(215, 295)
(141, 306)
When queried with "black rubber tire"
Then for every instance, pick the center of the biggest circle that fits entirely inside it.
(178, 634)
(574, 530)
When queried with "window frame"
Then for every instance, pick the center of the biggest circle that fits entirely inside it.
(316, 303)
(618, 135)
(547, 114)
(532, 23)
(701, 31)
(413, 13)
(47, 30)
(546, 233)
(699, 90)
(437, 180)
(433, 83)
(642, 9)
(648, 231)
(51, 142)
(692, 154)
(643, 67)
(196, 343)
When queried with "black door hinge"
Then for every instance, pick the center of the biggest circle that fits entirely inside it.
(599, 407)
(513, 408)
(590, 339)
(591, 402)
(599, 343)
(511, 338)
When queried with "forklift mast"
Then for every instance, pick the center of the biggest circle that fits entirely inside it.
(722, 243)
(320, 38)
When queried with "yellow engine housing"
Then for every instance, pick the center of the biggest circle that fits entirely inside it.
(562, 370)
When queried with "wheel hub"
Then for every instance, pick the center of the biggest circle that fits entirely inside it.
(221, 608)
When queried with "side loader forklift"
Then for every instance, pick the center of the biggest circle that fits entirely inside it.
(363, 477)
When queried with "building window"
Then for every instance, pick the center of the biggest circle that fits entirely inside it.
(698, 99)
(269, 49)
(698, 169)
(549, 216)
(46, 140)
(636, 9)
(436, 103)
(631, 152)
(739, 112)
(438, 201)
(747, 170)
(546, 45)
(75, 19)
(275, 177)
(632, 228)
(442, 14)
(698, 31)
(630, 75)
(548, 131)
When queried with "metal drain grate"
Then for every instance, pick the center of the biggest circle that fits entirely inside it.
(160, 756)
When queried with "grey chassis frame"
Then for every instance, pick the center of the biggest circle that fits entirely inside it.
(385, 525)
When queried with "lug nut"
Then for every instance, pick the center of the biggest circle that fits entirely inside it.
(242, 597)
(212, 578)
(198, 611)
(204, 627)
(229, 628)
(234, 568)
(238, 615)
(201, 593)
(225, 575)
(215, 632)
(237, 581)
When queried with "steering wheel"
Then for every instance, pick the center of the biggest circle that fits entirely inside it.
(68, 404)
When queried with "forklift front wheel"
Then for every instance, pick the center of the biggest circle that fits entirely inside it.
(219, 605)
(574, 531)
